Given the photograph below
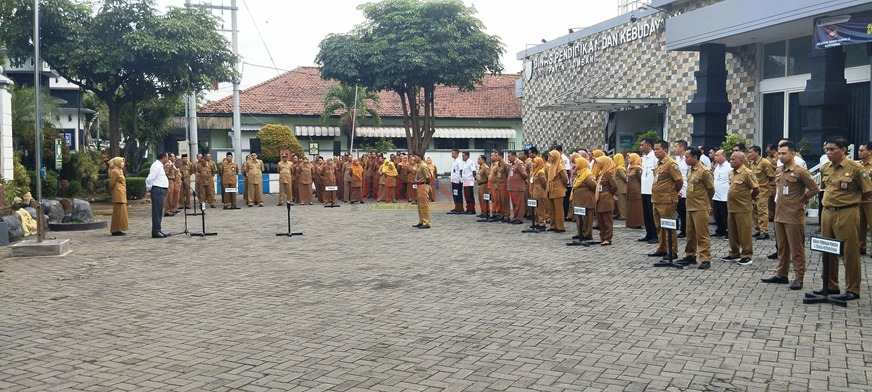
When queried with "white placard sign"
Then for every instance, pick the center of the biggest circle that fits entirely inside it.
(827, 245)
(455, 192)
(331, 188)
(580, 211)
(414, 186)
(532, 203)
(231, 190)
(669, 223)
(486, 196)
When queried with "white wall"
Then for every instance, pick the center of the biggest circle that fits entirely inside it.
(6, 166)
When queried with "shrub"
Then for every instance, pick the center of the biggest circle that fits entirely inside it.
(135, 188)
(75, 189)
(732, 140)
(84, 167)
(143, 172)
(650, 134)
(50, 184)
(22, 179)
(273, 139)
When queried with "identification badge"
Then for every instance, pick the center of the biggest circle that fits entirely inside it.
(843, 184)
(532, 203)
(455, 192)
(690, 187)
(531, 180)
(331, 188)
(599, 188)
(415, 186)
(785, 190)
(511, 172)
(486, 196)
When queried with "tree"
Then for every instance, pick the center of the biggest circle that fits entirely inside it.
(341, 98)
(24, 123)
(152, 118)
(410, 47)
(125, 53)
(274, 138)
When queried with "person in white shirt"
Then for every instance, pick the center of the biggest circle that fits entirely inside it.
(157, 183)
(649, 161)
(704, 159)
(722, 186)
(456, 182)
(467, 179)
(680, 148)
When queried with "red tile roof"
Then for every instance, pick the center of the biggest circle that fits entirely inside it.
(301, 93)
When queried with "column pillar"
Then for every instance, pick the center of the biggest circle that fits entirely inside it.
(825, 99)
(710, 104)
(6, 149)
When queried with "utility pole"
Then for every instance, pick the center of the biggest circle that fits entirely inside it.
(37, 89)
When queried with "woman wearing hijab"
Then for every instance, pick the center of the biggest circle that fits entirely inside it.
(556, 189)
(382, 181)
(328, 179)
(584, 195)
(356, 181)
(389, 170)
(633, 214)
(304, 175)
(118, 191)
(621, 178)
(538, 191)
(604, 170)
(432, 179)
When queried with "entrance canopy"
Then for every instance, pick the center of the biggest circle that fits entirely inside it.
(608, 104)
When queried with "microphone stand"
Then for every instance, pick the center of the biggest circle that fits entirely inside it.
(203, 220)
(289, 233)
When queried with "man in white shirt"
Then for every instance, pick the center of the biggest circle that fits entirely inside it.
(649, 161)
(722, 186)
(456, 182)
(680, 148)
(467, 178)
(157, 183)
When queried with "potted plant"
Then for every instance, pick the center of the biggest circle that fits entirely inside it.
(812, 210)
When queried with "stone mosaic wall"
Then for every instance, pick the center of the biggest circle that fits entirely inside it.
(626, 68)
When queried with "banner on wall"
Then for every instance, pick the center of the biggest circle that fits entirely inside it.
(841, 30)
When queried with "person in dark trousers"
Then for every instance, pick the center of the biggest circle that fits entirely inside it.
(456, 179)
(157, 183)
(649, 161)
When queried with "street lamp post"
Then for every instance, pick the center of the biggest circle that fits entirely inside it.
(37, 71)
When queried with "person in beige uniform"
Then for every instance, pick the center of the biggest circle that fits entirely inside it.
(482, 180)
(665, 190)
(623, 180)
(765, 173)
(118, 192)
(741, 195)
(515, 185)
(700, 190)
(583, 194)
(304, 175)
(556, 188)
(865, 151)
(794, 187)
(206, 170)
(538, 191)
(328, 179)
(229, 179)
(422, 178)
(286, 180)
(170, 207)
(254, 180)
(528, 165)
(186, 168)
(845, 185)
(604, 170)
(499, 172)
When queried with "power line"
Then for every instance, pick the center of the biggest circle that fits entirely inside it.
(253, 22)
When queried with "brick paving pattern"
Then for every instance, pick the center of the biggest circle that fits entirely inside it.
(364, 302)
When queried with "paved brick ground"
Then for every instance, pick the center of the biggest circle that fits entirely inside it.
(364, 302)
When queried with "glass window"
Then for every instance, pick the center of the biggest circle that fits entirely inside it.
(774, 60)
(855, 56)
(773, 118)
(451, 143)
(799, 49)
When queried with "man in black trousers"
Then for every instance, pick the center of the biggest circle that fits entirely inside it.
(649, 161)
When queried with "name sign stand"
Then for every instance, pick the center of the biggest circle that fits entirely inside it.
(484, 215)
(203, 221)
(331, 188)
(580, 215)
(289, 233)
(231, 190)
(828, 247)
(533, 203)
(670, 224)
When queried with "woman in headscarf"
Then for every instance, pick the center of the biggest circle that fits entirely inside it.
(633, 214)
(118, 191)
(538, 191)
(389, 171)
(432, 179)
(382, 180)
(584, 195)
(356, 181)
(328, 179)
(556, 189)
(304, 176)
(621, 178)
(604, 170)
(596, 154)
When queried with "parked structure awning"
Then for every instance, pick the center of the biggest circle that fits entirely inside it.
(594, 104)
(444, 133)
(305, 130)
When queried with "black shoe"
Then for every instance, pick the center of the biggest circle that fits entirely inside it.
(159, 235)
(226, 207)
(643, 239)
(118, 234)
(516, 222)
(848, 296)
(452, 212)
(418, 225)
(744, 261)
(575, 237)
(796, 284)
(470, 213)
(773, 256)
(756, 235)
(670, 257)
(424, 227)
(821, 292)
(763, 237)
(682, 235)
(657, 254)
(586, 238)
(687, 260)
(776, 279)
(730, 258)
(653, 241)
(704, 265)
(559, 231)
(213, 206)
(166, 214)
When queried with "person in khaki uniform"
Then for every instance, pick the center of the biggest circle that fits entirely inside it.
(528, 165)
(865, 151)
(390, 173)
(516, 182)
(794, 187)
(328, 179)
(253, 179)
(346, 178)
(556, 188)
(304, 173)
(286, 180)
(845, 185)
(229, 172)
(583, 194)
(665, 190)
(604, 170)
(741, 196)
(170, 207)
(538, 190)
(700, 190)
(356, 182)
(765, 173)
(410, 180)
(186, 168)
(482, 180)
(422, 178)
(622, 180)
(499, 172)
(206, 170)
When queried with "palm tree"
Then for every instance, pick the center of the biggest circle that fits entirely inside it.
(340, 101)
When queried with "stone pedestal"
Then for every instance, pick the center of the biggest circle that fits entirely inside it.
(31, 248)
(710, 104)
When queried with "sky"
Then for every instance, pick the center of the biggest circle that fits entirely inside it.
(284, 34)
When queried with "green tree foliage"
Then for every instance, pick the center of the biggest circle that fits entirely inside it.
(84, 167)
(124, 52)
(24, 120)
(730, 141)
(146, 123)
(410, 47)
(649, 134)
(340, 100)
(382, 145)
(274, 138)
